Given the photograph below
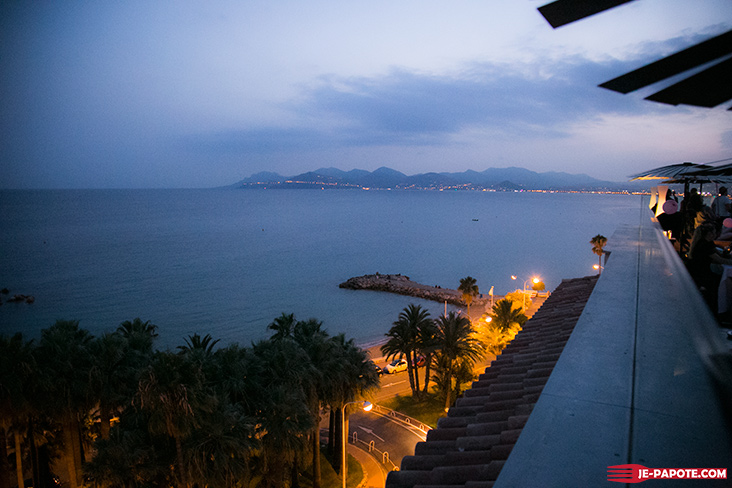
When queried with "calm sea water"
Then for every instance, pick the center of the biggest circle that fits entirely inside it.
(227, 262)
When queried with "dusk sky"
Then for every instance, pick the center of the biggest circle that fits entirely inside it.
(137, 94)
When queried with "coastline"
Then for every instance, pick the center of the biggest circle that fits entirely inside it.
(373, 349)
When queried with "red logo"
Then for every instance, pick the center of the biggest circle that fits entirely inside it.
(636, 473)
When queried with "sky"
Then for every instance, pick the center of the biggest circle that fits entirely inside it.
(193, 94)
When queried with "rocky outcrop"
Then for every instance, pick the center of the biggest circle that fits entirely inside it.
(402, 285)
(17, 298)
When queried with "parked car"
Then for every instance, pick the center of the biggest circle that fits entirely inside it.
(396, 366)
(420, 362)
(378, 370)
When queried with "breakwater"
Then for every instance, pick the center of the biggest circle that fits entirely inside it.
(402, 285)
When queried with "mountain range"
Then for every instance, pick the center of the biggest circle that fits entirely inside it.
(506, 179)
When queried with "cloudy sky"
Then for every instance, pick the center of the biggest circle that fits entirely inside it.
(141, 93)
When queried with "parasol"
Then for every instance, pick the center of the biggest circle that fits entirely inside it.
(723, 173)
(681, 173)
(670, 172)
(678, 173)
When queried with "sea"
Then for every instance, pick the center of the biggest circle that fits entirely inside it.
(226, 262)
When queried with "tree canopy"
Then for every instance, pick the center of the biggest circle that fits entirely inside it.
(122, 414)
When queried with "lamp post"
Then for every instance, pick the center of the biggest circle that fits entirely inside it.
(534, 280)
(367, 406)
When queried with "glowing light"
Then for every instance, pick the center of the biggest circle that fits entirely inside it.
(367, 406)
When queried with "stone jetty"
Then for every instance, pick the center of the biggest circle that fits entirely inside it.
(402, 285)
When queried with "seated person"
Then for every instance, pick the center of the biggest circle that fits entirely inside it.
(670, 219)
(726, 234)
(705, 262)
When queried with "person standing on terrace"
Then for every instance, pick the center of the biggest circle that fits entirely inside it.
(721, 207)
(691, 205)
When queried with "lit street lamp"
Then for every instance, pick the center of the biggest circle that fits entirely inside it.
(367, 406)
(535, 280)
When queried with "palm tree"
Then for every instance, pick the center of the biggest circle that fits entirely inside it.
(217, 453)
(503, 323)
(225, 446)
(282, 326)
(170, 393)
(505, 315)
(216, 430)
(140, 335)
(463, 373)
(519, 299)
(65, 363)
(120, 460)
(456, 342)
(109, 374)
(314, 341)
(469, 290)
(426, 346)
(203, 344)
(402, 342)
(598, 242)
(405, 338)
(353, 376)
(283, 371)
(17, 369)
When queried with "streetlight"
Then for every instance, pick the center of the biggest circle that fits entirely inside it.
(535, 280)
(598, 268)
(367, 406)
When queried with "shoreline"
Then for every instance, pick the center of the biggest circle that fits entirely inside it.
(373, 349)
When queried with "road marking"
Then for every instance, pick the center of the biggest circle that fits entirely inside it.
(370, 432)
(393, 384)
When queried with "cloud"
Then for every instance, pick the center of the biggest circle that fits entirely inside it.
(405, 108)
(726, 140)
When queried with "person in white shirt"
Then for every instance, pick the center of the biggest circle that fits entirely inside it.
(721, 206)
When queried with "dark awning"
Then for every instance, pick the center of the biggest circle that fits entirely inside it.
(564, 12)
(670, 172)
(708, 88)
(722, 172)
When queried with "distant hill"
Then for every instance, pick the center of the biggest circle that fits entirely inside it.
(506, 179)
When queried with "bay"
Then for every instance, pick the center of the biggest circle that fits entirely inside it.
(227, 262)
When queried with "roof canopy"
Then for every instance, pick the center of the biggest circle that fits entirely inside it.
(680, 172)
(720, 172)
(564, 12)
(709, 87)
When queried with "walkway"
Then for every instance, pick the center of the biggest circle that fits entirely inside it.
(374, 475)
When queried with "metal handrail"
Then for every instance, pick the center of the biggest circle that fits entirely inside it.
(371, 448)
(400, 417)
